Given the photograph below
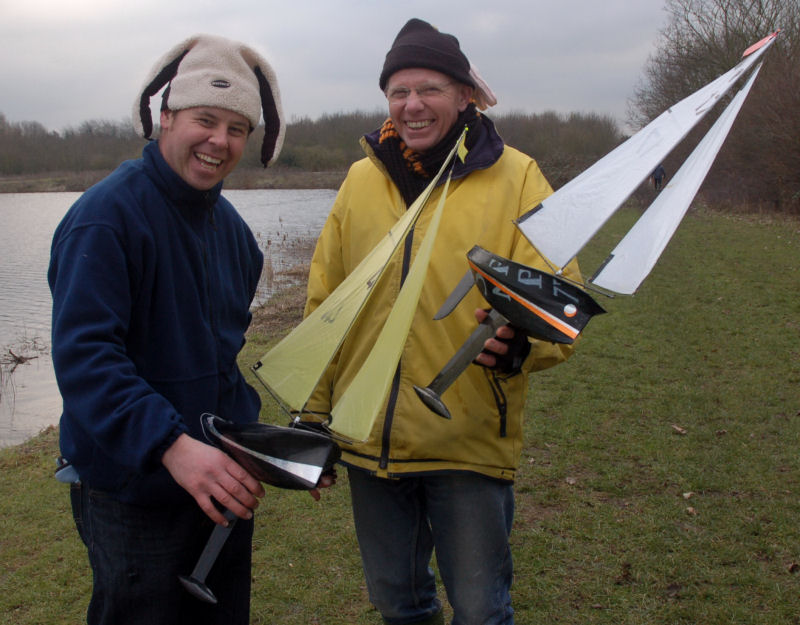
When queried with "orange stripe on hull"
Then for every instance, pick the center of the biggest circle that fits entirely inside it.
(536, 310)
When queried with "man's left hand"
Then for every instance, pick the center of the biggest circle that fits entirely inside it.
(504, 352)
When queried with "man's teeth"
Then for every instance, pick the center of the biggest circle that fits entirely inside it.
(216, 162)
(418, 125)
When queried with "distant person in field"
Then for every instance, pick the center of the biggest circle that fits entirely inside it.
(152, 273)
(421, 483)
(658, 176)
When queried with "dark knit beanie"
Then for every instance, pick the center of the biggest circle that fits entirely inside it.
(418, 44)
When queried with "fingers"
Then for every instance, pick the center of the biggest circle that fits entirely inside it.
(212, 512)
(496, 347)
(503, 332)
(235, 489)
(210, 475)
(486, 359)
(493, 346)
(243, 479)
(327, 480)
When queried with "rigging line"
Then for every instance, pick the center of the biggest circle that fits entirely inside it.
(292, 369)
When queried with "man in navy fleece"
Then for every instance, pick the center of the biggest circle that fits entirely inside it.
(152, 273)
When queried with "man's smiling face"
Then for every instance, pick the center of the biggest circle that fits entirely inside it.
(203, 144)
(424, 105)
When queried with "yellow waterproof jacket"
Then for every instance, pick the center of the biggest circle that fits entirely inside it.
(485, 432)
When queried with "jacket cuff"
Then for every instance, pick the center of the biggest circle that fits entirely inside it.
(158, 453)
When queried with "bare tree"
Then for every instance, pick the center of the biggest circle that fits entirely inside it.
(760, 162)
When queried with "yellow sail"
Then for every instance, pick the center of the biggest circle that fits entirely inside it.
(292, 368)
(354, 414)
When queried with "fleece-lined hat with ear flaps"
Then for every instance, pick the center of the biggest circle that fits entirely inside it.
(207, 70)
(418, 44)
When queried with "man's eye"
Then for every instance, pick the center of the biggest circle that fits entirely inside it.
(399, 94)
(429, 92)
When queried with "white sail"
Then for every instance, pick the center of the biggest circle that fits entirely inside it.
(564, 222)
(637, 253)
(559, 227)
(292, 368)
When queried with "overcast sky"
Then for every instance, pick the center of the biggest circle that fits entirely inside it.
(66, 62)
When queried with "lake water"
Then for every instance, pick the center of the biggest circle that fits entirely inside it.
(285, 222)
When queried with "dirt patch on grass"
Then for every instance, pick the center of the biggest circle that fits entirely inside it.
(280, 313)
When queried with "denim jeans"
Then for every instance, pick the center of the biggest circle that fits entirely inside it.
(464, 517)
(137, 553)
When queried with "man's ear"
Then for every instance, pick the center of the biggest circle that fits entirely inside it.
(464, 97)
(166, 119)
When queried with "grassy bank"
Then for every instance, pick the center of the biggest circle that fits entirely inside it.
(659, 480)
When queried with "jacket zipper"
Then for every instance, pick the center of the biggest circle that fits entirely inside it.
(395, 389)
(499, 400)
(212, 316)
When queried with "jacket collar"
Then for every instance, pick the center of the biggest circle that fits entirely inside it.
(172, 185)
(485, 148)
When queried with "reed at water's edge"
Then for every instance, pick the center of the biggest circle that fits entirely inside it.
(658, 481)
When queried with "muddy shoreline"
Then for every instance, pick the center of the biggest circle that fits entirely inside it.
(248, 178)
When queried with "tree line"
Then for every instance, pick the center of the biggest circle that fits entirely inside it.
(758, 166)
(563, 144)
(760, 160)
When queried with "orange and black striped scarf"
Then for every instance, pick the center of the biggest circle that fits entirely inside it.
(411, 171)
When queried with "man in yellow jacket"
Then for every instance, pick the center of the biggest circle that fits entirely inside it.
(420, 482)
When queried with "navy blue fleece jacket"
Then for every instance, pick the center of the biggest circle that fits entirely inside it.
(152, 282)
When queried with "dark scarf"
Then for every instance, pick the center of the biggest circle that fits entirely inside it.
(412, 171)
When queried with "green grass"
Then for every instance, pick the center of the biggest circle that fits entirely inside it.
(659, 481)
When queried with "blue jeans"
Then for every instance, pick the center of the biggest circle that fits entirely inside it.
(465, 517)
(137, 554)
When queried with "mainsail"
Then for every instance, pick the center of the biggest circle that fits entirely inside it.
(354, 414)
(563, 223)
(636, 255)
(291, 369)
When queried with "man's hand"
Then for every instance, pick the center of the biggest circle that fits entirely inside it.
(504, 352)
(326, 480)
(205, 472)
(493, 348)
